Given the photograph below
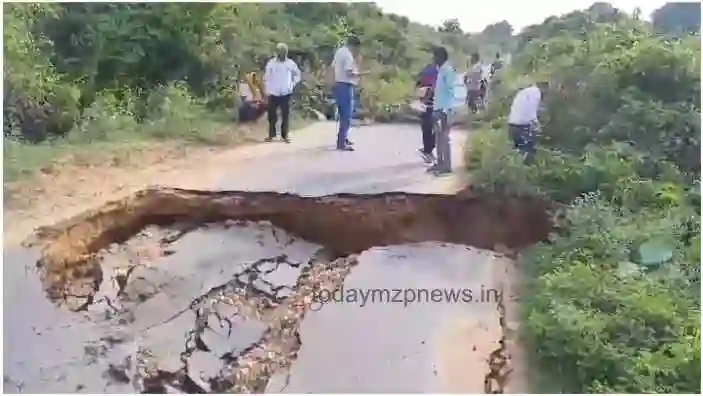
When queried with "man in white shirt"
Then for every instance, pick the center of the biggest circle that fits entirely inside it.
(346, 79)
(280, 78)
(522, 120)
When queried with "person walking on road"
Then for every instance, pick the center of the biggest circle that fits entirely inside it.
(522, 120)
(443, 101)
(472, 79)
(346, 79)
(426, 82)
(280, 78)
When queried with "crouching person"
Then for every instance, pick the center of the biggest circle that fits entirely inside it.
(522, 121)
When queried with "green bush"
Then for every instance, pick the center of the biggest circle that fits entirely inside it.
(612, 299)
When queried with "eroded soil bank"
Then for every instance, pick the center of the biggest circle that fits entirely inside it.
(84, 269)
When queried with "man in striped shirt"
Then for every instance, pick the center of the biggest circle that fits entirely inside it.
(473, 83)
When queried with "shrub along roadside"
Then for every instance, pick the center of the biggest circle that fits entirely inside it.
(77, 74)
(109, 125)
(611, 303)
(596, 314)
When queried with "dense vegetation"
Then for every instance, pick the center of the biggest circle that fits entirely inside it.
(678, 18)
(612, 303)
(89, 72)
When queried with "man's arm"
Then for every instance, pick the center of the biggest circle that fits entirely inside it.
(267, 77)
(534, 102)
(296, 73)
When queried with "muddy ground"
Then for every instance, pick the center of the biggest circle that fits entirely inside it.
(190, 291)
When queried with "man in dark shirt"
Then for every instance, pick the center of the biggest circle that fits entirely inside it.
(426, 81)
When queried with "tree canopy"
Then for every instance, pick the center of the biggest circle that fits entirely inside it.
(84, 51)
(677, 18)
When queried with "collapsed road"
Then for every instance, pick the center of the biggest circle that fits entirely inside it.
(182, 291)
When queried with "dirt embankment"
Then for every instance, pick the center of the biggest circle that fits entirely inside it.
(77, 184)
(345, 224)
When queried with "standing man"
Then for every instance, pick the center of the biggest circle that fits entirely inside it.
(280, 78)
(426, 82)
(473, 82)
(443, 100)
(522, 121)
(496, 65)
(346, 79)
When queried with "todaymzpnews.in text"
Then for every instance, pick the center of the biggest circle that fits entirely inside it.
(405, 296)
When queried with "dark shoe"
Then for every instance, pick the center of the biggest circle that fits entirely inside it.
(442, 172)
(428, 158)
(345, 148)
(433, 168)
(349, 142)
(268, 139)
(287, 140)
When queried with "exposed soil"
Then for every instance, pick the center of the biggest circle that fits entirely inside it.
(75, 184)
(73, 261)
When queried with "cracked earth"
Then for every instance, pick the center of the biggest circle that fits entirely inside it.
(179, 291)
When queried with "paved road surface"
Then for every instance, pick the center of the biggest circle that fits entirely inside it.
(391, 347)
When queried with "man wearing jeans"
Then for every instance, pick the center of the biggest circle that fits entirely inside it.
(280, 78)
(443, 101)
(346, 78)
(522, 120)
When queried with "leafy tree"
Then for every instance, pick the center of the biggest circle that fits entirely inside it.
(61, 58)
(611, 301)
(678, 18)
(451, 26)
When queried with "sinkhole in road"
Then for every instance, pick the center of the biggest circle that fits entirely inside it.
(84, 267)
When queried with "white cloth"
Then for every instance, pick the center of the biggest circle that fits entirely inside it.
(343, 63)
(281, 77)
(525, 106)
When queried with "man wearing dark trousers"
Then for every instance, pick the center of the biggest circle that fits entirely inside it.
(280, 78)
(472, 79)
(426, 83)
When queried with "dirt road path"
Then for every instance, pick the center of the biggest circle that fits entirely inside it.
(404, 336)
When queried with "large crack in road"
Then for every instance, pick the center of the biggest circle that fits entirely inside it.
(240, 329)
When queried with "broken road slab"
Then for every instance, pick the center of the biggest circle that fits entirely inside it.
(255, 282)
(405, 344)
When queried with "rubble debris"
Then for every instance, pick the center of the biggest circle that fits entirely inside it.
(244, 327)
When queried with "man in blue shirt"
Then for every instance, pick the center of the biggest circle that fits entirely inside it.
(443, 101)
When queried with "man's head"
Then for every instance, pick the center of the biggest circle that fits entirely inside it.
(475, 58)
(354, 44)
(281, 51)
(440, 55)
(497, 55)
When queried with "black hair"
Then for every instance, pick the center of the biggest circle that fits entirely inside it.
(497, 55)
(353, 41)
(475, 56)
(440, 53)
